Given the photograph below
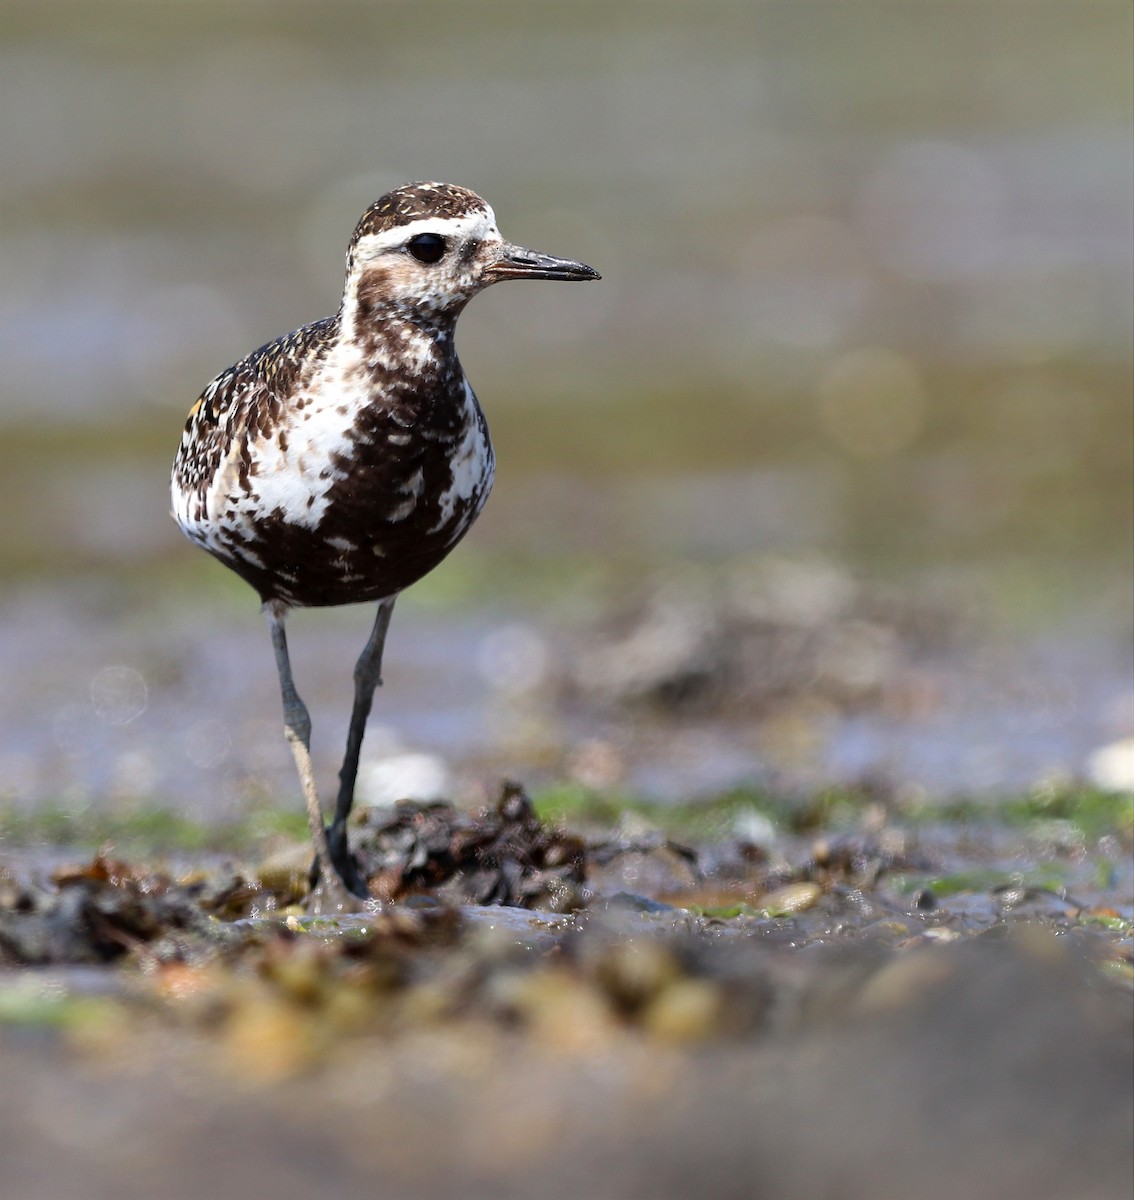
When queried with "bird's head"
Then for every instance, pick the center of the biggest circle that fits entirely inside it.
(425, 249)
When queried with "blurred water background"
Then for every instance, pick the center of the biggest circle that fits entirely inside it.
(867, 305)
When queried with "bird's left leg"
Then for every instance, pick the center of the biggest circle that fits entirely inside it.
(367, 677)
(297, 727)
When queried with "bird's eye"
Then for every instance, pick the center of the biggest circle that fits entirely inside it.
(427, 247)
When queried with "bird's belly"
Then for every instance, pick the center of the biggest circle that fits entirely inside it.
(321, 517)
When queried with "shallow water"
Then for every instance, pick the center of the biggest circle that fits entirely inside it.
(178, 706)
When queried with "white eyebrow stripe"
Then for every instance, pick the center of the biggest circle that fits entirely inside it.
(478, 224)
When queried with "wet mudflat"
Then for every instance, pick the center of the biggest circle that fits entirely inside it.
(713, 952)
(722, 1002)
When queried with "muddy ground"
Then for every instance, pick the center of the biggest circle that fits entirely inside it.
(820, 888)
(820, 1006)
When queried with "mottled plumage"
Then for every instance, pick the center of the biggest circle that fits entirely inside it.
(342, 462)
(415, 202)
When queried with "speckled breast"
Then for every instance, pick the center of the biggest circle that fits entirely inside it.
(340, 495)
(390, 517)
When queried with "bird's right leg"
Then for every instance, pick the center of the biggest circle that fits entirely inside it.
(297, 727)
(367, 677)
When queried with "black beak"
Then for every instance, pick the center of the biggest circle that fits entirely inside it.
(515, 262)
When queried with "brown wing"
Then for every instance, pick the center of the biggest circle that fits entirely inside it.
(246, 396)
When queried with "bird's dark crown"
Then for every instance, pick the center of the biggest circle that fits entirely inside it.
(413, 201)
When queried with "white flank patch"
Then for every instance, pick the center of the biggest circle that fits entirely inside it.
(471, 467)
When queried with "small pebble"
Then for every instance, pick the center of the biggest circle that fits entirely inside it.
(790, 899)
(941, 934)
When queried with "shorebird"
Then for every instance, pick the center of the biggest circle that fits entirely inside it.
(342, 462)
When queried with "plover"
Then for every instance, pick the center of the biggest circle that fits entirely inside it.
(341, 463)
